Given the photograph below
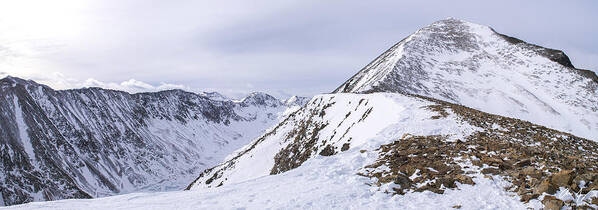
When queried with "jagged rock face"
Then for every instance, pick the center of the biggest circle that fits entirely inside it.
(94, 142)
(475, 66)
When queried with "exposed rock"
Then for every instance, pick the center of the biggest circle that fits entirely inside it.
(404, 183)
(523, 163)
(531, 171)
(540, 169)
(345, 147)
(552, 203)
(493, 171)
(562, 178)
(327, 151)
(447, 182)
(528, 197)
(464, 179)
(545, 187)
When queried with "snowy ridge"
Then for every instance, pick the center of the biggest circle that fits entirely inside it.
(472, 65)
(333, 120)
(94, 142)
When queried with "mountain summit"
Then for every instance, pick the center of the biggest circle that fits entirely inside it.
(473, 65)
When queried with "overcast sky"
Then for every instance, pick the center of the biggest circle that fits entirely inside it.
(234, 47)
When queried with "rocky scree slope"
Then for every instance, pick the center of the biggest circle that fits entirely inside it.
(94, 142)
(473, 65)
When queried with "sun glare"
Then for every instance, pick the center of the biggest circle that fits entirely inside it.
(28, 19)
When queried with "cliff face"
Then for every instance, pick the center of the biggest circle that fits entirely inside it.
(94, 142)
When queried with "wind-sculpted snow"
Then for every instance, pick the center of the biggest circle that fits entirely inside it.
(472, 65)
(94, 142)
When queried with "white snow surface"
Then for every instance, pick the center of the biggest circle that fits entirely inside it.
(22, 127)
(322, 182)
(472, 65)
(389, 117)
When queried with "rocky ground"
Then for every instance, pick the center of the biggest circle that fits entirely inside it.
(539, 162)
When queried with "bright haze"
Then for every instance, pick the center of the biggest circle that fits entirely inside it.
(234, 47)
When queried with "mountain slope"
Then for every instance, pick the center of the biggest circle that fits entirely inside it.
(382, 129)
(472, 65)
(413, 145)
(462, 63)
(94, 142)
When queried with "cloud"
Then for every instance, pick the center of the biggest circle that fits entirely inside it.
(60, 81)
(132, 86)
(296, 47)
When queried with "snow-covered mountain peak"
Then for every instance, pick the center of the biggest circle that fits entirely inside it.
(296, 101)
(10, 81)
(261, 99)
(473, 65)
(215, 96)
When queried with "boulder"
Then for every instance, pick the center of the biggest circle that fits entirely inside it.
(527, 197)
(493, 171)
(562, 178)
(545, 187)
(403, 181)
(447, 182)
(327, 151)
(345, 147)
(464, 179)
(552, 203)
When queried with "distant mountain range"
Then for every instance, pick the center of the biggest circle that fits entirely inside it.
(93, 142)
